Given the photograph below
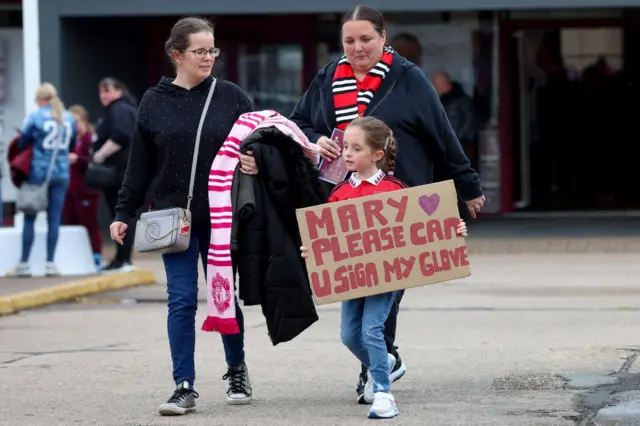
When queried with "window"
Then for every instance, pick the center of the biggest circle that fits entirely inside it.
(272, 76)
(582, 47)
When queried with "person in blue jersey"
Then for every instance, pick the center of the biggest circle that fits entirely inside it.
(49, 130)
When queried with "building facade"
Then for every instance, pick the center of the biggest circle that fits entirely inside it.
(517, 59)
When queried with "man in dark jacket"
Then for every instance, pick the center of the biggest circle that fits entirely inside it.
(459, 108)
(111, 149)
(457, 104)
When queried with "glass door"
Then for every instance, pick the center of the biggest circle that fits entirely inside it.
(531, 77)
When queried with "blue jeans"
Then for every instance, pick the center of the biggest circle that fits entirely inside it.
(362, 331)
(57, 194)
(182, 289)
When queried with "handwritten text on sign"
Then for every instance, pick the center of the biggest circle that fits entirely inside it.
(385, 242)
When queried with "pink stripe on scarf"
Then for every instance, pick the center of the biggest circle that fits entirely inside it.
(221, 307)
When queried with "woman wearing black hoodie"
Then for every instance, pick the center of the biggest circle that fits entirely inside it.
(162, 151)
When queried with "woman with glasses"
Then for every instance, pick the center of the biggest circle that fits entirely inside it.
(162, 151)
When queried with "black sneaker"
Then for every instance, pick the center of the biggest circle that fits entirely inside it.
(117, 266)
(181, 402)
(239, 391)
(399, 370)
(362, 381)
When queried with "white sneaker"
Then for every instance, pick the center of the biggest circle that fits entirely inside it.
(384, 406)
(368, 387)
(22, 270)
(51, 270)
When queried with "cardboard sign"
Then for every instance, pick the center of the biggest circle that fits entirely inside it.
(385, 242)
(334, 171)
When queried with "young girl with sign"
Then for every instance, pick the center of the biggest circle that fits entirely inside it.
(369, 152)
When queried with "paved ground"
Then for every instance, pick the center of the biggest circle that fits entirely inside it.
(10, 286)
(499, 348)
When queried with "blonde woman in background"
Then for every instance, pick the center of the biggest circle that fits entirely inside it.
(50, 129)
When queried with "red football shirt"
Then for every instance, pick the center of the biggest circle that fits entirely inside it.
(356, 188)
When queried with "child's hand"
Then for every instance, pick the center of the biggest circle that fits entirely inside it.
(305, 251)
(462, 229)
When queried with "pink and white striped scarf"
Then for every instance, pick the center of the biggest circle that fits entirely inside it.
(221, 308)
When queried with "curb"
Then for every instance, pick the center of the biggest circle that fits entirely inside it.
(49, 295)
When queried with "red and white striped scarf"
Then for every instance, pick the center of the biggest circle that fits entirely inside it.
(221, 307)
(350, 99)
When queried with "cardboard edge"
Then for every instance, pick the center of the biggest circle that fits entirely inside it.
(49, 295)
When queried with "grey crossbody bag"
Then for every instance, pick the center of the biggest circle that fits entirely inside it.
(33, 199)
(169, 230)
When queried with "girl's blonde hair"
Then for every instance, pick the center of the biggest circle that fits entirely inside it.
(82, 112)
(47, 92)
(380, 138)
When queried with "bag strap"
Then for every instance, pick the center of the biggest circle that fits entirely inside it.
(54, 155)
(197, 147)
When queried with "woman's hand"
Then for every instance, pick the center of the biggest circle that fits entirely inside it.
(248, 164)
(329, 150)
(304, 252)
(461, 230)
(118, 231)
(475, 205)
(73, 158)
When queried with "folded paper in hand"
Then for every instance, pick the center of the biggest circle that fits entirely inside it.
(334, 171)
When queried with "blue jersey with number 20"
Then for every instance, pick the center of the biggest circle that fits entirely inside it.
(46, 135)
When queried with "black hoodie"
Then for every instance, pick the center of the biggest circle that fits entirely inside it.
(164, 142)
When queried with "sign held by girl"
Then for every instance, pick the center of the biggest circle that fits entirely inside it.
(383, 242)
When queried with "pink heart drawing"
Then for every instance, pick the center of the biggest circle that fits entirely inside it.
(429, 203)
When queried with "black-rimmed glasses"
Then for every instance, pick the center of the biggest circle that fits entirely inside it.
(202, 53)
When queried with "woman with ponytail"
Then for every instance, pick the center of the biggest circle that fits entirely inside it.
(51, 131)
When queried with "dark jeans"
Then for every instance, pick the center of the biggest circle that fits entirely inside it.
(123, 252)
(57, 192)
(182, 289)
(390, 327)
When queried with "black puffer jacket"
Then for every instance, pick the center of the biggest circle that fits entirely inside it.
(272, 273)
